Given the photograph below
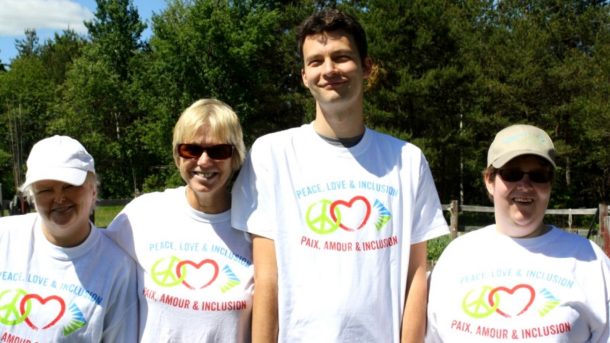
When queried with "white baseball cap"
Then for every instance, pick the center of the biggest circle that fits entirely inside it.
(517, 140)
(59, 158)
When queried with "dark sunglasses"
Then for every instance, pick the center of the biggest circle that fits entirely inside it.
(537, 176)
(216, 152)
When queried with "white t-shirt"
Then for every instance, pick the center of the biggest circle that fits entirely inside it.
(195, 275)
(48, 293)
(488, 287)
(343, 221)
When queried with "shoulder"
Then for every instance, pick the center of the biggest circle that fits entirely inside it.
(150, 199)
(388, 139)
(148, 208)
(113, 254)
(461, 249)
(573, 244)
(266, 151)
(18, 222)
(279, 139)
(472, 238)
(394, 145)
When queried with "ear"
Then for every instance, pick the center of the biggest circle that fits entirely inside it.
(304, 77)
(489, 184)
(94, 197)
(367, 67)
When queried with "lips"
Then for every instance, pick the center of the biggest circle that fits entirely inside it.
(333, 84)
(205, 174)
(63, 214)
(523, 200)
(62, 209)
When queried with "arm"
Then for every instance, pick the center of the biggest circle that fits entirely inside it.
(414, 315)
(264, 310)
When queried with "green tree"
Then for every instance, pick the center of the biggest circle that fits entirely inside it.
(239, 52)
(57, 54)
(97, 100)
(25, 91)
(536, 68)
(116, 31)
(29, 46)
(423, 86)
(450, 75)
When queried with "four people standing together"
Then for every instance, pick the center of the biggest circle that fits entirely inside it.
(322, 238)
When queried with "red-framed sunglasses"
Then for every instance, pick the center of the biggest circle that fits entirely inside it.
(216, 152)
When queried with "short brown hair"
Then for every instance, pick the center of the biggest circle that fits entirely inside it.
(330, 20)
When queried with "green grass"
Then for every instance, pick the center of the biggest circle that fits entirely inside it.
(105, 214)
(436, 247)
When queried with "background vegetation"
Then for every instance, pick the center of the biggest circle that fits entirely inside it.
(450, 75)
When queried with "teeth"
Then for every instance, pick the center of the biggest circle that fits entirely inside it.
(205, 174)
(527, 200)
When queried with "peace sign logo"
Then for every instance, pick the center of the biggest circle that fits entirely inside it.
(47, 313)
(319, 219)
(519, 299)
(202, 273)
(358, 210)
(163, 272)
(10, 313)
(475, 304)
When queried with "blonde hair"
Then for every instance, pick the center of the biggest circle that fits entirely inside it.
(222, 124)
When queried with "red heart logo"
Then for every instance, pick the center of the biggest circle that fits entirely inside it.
(201, 278)
(517, 295)
(356, 201)
(43, 301)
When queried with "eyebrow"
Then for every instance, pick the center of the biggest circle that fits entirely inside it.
(334, 53)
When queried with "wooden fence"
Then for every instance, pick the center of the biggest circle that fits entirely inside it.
(602, 236)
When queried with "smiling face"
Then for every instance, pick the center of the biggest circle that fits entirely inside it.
(206, 178)
(333, 71)
(65, 209)
(519, 206)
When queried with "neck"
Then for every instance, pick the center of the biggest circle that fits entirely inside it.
(339, 124)
(523, 233)
(69, 241)
(209, 203)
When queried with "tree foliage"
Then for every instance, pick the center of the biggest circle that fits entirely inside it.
(449, 75)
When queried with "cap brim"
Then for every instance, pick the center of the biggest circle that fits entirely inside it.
(73, 176)
(502, 160)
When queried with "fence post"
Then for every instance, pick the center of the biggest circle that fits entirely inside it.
(603, 227)
(453, 225)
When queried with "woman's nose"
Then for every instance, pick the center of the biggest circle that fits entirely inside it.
(204, 159)
(59, 197)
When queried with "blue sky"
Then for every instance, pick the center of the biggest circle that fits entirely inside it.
(49, 16)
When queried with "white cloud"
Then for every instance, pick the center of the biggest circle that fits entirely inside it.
(18, 15)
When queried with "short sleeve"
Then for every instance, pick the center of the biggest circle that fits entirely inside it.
(253, 194)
